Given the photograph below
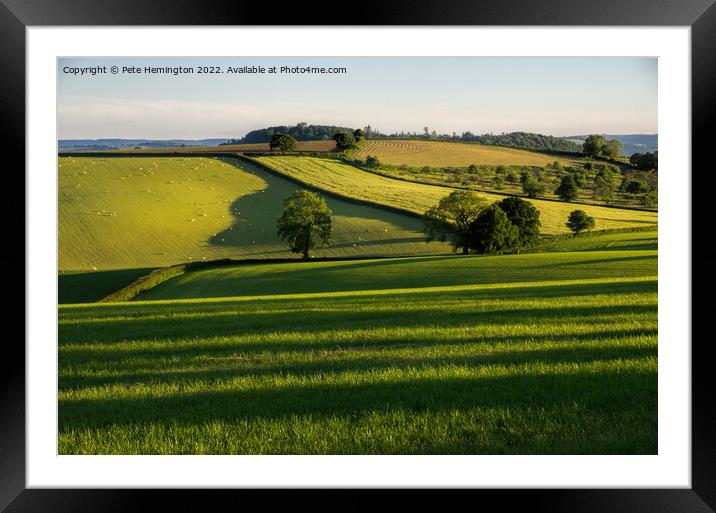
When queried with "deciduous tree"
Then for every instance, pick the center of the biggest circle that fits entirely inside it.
(578, 221)
(492, 232)
(451, 218)
(525, 216)
(305, 221)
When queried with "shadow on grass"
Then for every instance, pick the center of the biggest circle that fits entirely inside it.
(607, 391)
(348, 358)
(239, 307)
(309, 323)
(254, 215)
(86, 287)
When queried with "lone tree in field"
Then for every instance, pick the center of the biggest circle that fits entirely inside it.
(525, 216)
(492, 232)
(306, 220)
(451, 218)
(283, 142)
(579, 221)
(358, 134)
(344, 141)
(567, 190)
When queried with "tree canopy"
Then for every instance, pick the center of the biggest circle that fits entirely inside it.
(300, 132)
(451, 219)
(305, 221)
(525, 216)
(283, 142)
(578, 221)
(567, 189)
(645, 161)
(344, 141)
(598, 146)
(492, 231)
(604, 184)
(530, 185)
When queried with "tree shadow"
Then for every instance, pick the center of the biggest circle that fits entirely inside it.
(251, 214)
(594, 390)
(303, 326)
(344, 359)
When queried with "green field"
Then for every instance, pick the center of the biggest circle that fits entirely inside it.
(549, 353)
(442, 154)
(346, 180)
(137, 212)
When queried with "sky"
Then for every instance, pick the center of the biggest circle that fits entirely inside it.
(549, 95)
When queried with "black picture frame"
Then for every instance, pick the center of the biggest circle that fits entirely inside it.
(700, 15)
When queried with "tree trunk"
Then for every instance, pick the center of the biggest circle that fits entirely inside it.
(465, 250)
(305, 254)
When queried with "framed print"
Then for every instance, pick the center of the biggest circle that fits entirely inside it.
(426, 249)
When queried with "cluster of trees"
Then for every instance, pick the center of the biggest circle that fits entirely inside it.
(516, 139)
(344, 140)
(466, 220)
(300, 132)
(463, 218)
(601, 181)
(598, 146)
(645, 161)
(348, 140)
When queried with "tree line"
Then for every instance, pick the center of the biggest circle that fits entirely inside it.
(462, 218)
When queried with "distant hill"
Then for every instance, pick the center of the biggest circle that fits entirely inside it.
(123, 144)
(633, 143)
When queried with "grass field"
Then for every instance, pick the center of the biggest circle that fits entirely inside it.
(442, 154)
(336, 177)
(300, 146)
(546, 353)
(136, 212)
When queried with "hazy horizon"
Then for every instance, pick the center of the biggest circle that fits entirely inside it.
(556, 96)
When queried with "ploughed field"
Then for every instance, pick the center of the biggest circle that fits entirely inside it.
(351, 182)
(442, 154)
(547, 352)
(137, 212)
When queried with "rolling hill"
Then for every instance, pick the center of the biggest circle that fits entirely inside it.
(136, 212)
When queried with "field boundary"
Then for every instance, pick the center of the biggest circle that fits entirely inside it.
(158, 276)
(548, 239)
(306, 185)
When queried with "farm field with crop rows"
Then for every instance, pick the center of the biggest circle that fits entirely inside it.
(442, 154)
